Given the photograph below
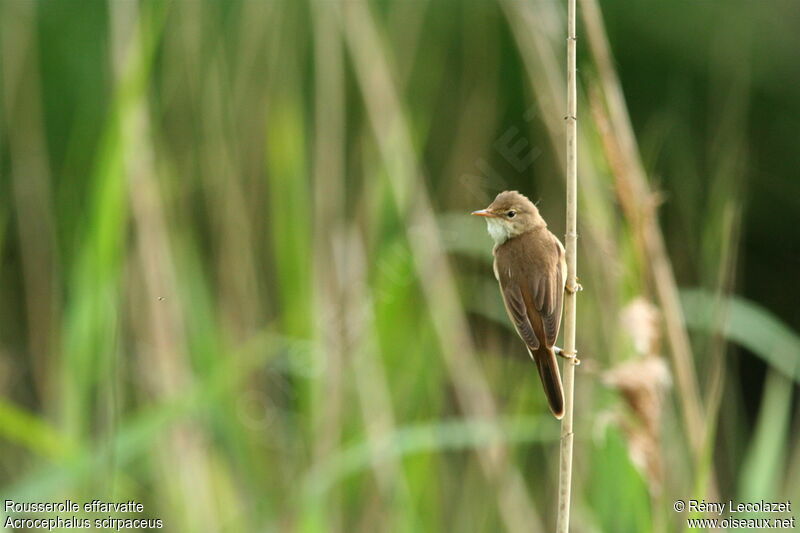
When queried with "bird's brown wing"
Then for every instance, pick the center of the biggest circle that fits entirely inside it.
(515, 305)
(533, 288)
(547, 293)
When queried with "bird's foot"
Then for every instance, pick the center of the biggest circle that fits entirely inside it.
(572, 357)
(573, 286)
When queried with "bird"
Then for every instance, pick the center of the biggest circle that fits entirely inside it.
(530, 266)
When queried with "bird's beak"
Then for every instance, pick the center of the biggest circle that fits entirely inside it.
(484, 213)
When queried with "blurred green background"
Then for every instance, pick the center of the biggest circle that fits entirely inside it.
(239, 283)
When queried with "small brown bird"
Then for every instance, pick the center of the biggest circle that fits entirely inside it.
(529, 263)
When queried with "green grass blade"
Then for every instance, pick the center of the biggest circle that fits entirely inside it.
(749, 325)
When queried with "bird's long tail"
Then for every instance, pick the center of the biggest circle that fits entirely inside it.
(547, 365)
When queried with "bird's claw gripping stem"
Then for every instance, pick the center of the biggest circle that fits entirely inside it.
(572, 357)
(573, 286)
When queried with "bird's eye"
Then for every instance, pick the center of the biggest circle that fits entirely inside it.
(511, 214)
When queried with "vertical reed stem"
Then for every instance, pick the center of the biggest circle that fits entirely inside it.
(571, 242)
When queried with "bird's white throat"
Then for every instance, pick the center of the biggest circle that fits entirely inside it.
(499, 230)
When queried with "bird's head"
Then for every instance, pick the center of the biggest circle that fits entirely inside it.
(509, 215)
